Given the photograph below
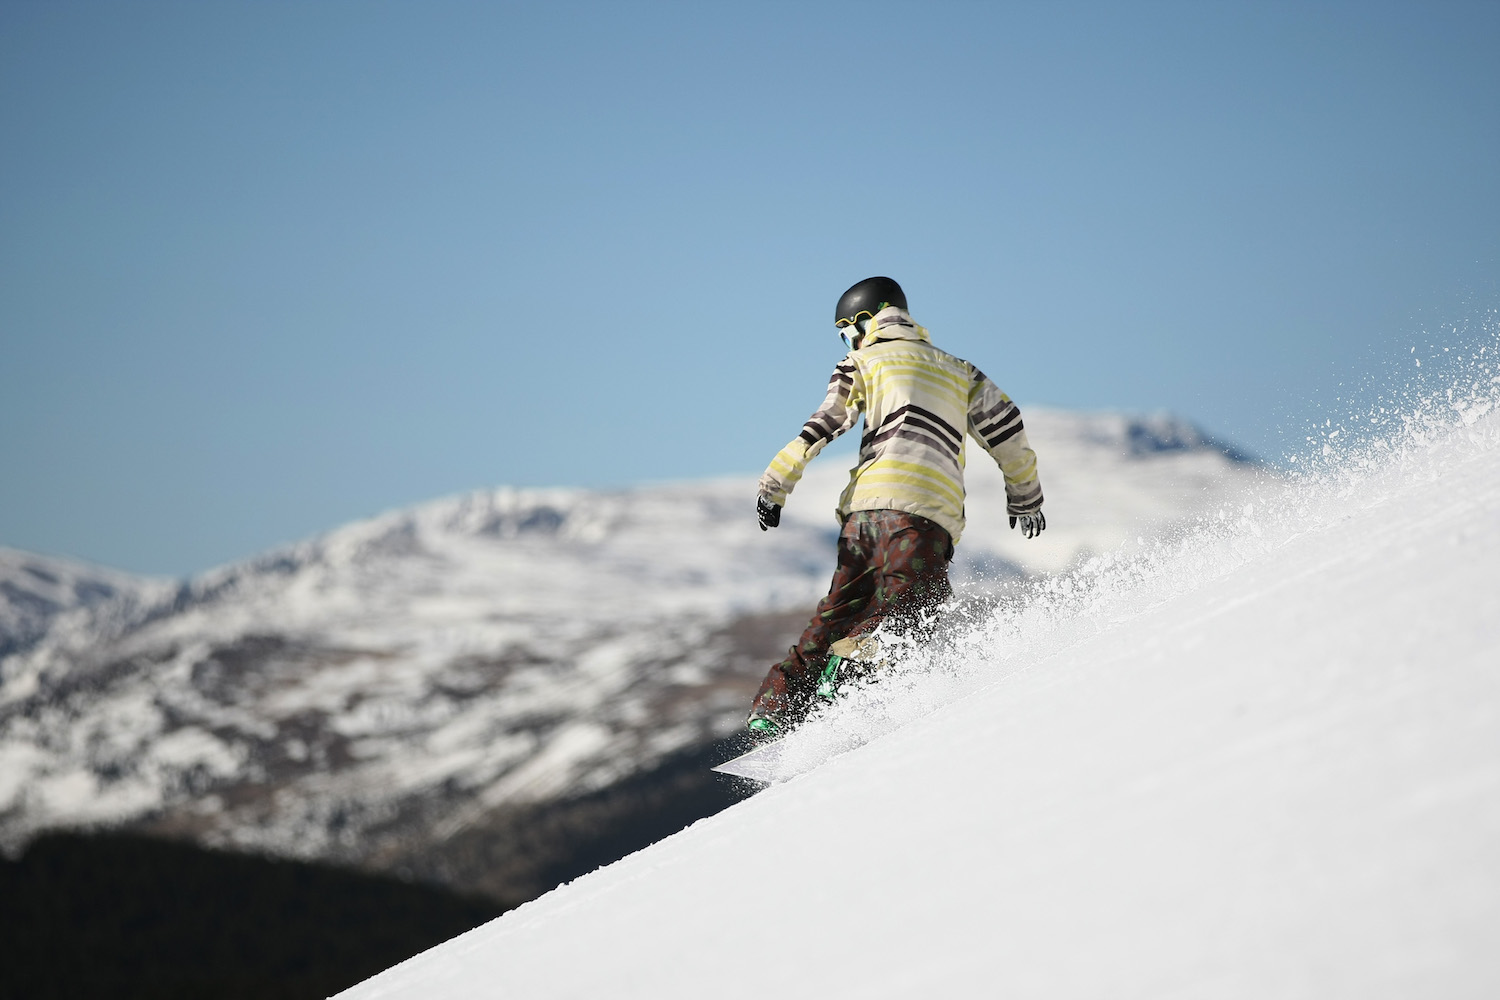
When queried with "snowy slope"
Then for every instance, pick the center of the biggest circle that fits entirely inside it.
(411, 679)
(1260, 758)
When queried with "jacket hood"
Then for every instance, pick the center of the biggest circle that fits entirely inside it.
(893, 323)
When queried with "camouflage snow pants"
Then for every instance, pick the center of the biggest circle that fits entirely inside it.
(891, 564)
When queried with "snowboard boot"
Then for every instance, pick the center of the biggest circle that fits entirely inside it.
(771, 715)
(763, 726)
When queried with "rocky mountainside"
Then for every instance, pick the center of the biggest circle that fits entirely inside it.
(461, 690)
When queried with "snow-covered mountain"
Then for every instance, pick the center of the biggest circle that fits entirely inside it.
(391, 693)
(1259, 757)
(37, 590)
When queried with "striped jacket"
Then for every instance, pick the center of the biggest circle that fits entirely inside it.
(917, 401)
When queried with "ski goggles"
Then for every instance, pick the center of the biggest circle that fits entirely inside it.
(856, 323)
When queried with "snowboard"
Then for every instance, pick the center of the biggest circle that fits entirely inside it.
(759, 764)
(805, 748)
(809, 746)
(762, 762)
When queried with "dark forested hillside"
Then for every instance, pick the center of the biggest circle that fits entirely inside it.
(120, 916)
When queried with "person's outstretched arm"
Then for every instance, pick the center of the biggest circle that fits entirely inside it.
(995, 422)
(838, 413)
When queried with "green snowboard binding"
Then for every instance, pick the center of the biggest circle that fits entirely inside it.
(852, 656)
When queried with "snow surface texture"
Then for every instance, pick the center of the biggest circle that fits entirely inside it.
(1258, 758)
(365, 694)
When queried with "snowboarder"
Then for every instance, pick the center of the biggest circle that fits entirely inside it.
(903, 509)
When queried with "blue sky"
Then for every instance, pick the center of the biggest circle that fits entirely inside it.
(269, 267)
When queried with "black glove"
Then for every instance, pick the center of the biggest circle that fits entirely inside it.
(769, 513)
(1031, 524)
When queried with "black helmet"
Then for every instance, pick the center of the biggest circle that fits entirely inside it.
(867, 298)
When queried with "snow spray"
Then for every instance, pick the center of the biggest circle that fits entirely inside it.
(1424, 412)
